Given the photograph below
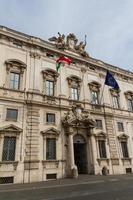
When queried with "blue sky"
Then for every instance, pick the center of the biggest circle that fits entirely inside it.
(107, 24)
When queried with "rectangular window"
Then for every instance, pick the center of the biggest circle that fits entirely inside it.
(51, 148)
(74, 93)
(6, 180)
(130, 105)
(99, 124)
(51, 176)
(50, 117)
(9, 147)
(102, 149)
(116, 102)
(124, 149)
(94, 97)
(120, 126)
(49, 88)
(12, 114)
(14, 80)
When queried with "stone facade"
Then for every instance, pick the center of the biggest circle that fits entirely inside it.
(57, 124)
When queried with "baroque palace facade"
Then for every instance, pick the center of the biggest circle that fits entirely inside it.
(57, 124)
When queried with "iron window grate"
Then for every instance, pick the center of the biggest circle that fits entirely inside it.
(6, 180)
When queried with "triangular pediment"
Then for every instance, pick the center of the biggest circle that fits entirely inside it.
(10, 128)
(123, 136)
(51, 131)
(100, 134)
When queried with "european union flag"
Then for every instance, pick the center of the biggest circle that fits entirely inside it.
(110, 81)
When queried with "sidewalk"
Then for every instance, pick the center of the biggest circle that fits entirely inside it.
(82, 179)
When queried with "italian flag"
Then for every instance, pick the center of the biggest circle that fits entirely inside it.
(62, 59)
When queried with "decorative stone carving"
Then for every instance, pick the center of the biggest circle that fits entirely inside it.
(70, 43)
(81, 49)
(59, 41)
(129, 94)
(74, 118)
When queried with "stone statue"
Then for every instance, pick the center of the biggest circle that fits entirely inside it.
(81, 49)
(59, 41)
(71, 41)
(69, 118)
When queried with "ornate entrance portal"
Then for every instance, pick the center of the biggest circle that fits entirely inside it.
(77, 120)
(80, 156)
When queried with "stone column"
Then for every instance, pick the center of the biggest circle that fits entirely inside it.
(94, 151)
(71, 150)
(73, 167)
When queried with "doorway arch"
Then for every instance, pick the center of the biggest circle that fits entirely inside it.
(80, 153)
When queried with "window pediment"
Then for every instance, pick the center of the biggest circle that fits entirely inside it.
(100, 135)
(114, 92)
(72, 79)
(16, 63)
(10, 128)
(129, 94)
(94, 85)
(51, 131)
(50, 73)
(123, 136)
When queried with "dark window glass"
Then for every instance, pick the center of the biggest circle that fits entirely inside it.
(120, 126)
(116, 102)
(74, 93)
(102, 149)
(130, 105)
(50, 118)
(6, 180)
(51, 176)
(9, 149)
(14, 80)
(124, 149)
(50, 88)
(99, 124)
(51, 148)
(94, 97)
(12, 114)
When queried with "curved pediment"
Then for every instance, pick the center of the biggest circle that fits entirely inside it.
(10, 128)
(74, 78)
(51, 131)
(49, 71)
(94, 84)
(16, 62)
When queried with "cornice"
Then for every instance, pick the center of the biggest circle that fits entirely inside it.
(40, 43)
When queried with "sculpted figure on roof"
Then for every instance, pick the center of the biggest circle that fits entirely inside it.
(59, 41)
(70, 43)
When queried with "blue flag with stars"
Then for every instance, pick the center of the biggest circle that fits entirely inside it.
(110, 81)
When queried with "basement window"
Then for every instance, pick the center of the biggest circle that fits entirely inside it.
(6, 180)
(128, 170)
(51, 176)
